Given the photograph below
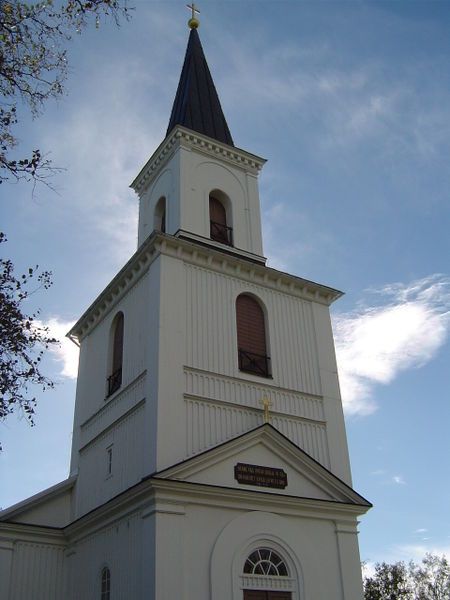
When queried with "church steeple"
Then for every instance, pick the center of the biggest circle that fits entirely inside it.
(197, 104)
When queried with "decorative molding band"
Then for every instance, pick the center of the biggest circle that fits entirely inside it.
(104, 431)
(134, 391)
(233, 391)
(262, 582)
(187, 138)
(200, 256)
(212, 423)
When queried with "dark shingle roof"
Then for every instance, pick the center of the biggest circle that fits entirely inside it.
(197, 104)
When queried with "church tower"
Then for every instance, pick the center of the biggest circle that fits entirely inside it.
(209, 456)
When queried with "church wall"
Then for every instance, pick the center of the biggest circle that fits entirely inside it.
(334, 415)
(123, 421)
(37, 572)
(212, 338)
(171, 425)
(163, 186)
(222, 401)
(204, 174)
(94, 352)
(209, 545)
(210, 423)
(118, 547)
(52, 512)
(125, 438)
(186, 182)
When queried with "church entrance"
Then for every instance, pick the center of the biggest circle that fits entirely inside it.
(263, 595)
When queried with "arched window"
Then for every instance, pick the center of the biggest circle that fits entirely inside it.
(106, 584)
(115, 377)
(251, 336)
(160, 215)
(219, 230)
(265, 561)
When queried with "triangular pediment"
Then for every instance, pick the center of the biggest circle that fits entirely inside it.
(264, 460)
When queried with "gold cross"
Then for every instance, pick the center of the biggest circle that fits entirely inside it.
(266, 406)
(194, 10)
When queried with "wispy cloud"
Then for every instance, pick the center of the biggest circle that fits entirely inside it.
(405, 553)
(66, 352)
(398, 479)
(404, 329)
(416, 552)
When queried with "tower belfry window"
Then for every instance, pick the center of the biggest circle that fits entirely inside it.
(160, 215)
(251, 336)
(219, 230)
(115, 377)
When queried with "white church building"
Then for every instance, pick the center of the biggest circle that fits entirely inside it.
(209, 457)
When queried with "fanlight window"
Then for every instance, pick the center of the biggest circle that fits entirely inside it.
(115, 377)
(265, 561)
(251, 336)
(219, 230)
(106, 584)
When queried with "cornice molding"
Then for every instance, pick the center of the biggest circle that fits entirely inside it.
(24, 532)
(211, 495)
(201, 256)
(192, 140)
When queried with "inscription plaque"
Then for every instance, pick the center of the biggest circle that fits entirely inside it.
(259, 475)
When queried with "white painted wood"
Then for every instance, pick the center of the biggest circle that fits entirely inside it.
(185, 532)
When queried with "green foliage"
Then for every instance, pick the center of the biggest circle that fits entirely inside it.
(389, 582)
(23, 339)
(428, 581)
(33, 67)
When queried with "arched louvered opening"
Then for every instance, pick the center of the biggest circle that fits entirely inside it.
(106, 584)
(160, 215)
(251, 336)
(115, 377)
(219, 228)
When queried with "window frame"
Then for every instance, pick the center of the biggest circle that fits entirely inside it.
(115, 362)
(223, 230)
(105, 584)
(249, 361)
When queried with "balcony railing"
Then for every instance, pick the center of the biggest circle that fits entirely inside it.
(221, 233)
(114, 381)
(254, 363)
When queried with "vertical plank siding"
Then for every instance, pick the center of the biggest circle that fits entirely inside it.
(210, 424)
(212, 336)
(221, 401)
(119, 548)
(37, 572)
(126, 437)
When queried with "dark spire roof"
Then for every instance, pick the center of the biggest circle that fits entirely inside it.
(197, 104)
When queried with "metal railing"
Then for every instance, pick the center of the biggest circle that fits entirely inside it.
(114, 381)
(221, 233)
(254, 363)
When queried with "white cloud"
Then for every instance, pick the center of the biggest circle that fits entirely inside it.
(66, 353)
(416, 552)
(421, 530)
(375, 343)
(398, 479)
(404, 553)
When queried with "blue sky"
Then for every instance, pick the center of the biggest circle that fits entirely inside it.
(350, 104)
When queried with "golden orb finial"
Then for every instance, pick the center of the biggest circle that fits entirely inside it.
(193, 22)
